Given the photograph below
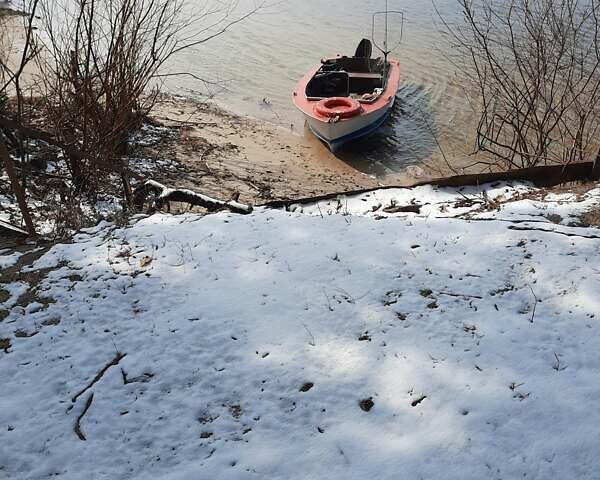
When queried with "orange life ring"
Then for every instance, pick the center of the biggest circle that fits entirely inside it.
(342, 107)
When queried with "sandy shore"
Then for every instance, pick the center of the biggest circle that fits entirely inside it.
(220, 153)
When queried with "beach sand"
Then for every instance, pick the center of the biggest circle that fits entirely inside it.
(219, 153)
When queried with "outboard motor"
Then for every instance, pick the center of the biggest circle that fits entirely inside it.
(365, 49)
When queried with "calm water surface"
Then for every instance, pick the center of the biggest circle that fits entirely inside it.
(262, 59)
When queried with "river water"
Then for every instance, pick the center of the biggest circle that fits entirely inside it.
(261, 60)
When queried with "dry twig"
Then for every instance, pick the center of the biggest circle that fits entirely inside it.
(77, 428)
(100, 374)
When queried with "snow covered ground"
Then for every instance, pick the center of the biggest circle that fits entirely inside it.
(345, 340)
(8, 258)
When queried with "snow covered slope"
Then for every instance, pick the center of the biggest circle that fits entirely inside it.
(313, 345)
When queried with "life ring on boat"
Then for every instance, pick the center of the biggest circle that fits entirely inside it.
(342, 107)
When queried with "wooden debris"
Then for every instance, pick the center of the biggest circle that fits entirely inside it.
(403, 209)
(12, 230)
(163, 194)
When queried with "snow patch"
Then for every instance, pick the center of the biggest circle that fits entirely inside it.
(435, 347)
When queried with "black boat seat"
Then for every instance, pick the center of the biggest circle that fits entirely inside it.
(328, 84)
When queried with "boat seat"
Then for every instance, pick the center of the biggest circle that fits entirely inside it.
(364, 75)
(328, 84)
(361, 83)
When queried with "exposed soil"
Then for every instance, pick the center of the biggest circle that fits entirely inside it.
(32, 278)
(219, 153)
(591, 218)
(5, 344)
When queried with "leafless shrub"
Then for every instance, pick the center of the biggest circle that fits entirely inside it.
(99, 65)
(10, 82)
(100, 77)
(534, 71)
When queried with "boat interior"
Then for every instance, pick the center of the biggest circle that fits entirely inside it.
(360, 77)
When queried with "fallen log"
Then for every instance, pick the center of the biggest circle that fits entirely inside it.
(7, 228)
(163, 195)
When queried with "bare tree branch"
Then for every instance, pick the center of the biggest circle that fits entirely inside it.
(534, 66)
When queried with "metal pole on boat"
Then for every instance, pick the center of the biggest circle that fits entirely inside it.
(385, 40)
(385, 47)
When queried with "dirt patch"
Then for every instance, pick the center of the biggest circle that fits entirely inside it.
(235, 411)
(5, 344)
(32, 278)
(367, 404)
(24, 333)
(591, 218)
(579, 189)
(204, 419)
(4, 295)
(51, 322)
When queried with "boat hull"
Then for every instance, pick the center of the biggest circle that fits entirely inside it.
(334, 135)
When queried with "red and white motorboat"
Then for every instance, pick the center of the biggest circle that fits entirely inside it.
(345, 98)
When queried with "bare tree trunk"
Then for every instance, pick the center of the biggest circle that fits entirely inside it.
(596, 167)
(16, 187)
(127, 191)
